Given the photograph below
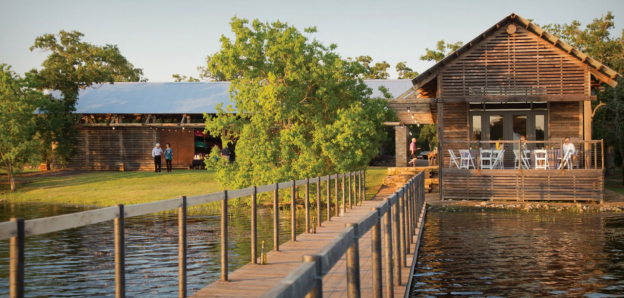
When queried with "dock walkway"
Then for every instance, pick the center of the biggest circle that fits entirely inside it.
(253, 280)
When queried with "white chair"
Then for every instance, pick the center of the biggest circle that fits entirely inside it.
(497, 156)
(454, 159)
(541, 159)
(485, 156)
(465, 159)
(567, 160)
(516, 159)
(526, 158)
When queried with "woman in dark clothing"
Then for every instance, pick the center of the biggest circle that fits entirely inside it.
(168, 157)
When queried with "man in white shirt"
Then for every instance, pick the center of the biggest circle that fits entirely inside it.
(569, 147)
(156, 153)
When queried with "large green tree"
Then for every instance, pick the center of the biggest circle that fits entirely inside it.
(441, 51)
(73, 65)
(405, 72)
(182, 78)
(301, 110)
(597, 41)
(377, 71)
(19, 144)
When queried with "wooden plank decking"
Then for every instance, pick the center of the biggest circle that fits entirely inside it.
(254, 280)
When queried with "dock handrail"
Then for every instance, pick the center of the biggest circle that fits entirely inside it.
(402, 209)
(18, 229)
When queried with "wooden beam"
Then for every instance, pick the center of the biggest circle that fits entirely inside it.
(183, 118)
(517, 98)
(392, 123)
(148, 118)
(603, 77)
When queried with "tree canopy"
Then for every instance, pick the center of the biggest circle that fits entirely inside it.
(181, 78)
(302, 110)
(377, 71)
(19, 144)
(405, 72)
(73, 65)
(442, 50)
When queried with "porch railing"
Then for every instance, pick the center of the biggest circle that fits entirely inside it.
(18, 229)
(587, 154)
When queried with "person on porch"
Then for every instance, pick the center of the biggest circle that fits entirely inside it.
(413, 155)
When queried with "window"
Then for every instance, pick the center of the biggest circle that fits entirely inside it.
(476, 128)
(496, 127)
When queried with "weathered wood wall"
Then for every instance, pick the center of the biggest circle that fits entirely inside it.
(565, 120)
(575, 184)
(456, 128)
(182, 143)
(105, 149)
(519, 64)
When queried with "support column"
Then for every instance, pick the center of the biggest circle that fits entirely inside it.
(401, 142)
(440, 149)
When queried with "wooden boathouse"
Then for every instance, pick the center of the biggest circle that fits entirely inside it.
(513, 86)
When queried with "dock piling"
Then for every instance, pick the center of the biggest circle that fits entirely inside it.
(182, 249)
(120, 254)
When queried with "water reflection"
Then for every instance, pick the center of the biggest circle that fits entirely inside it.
(80, 262)
(510, 253)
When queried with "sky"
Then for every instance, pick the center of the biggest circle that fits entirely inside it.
(168, 37)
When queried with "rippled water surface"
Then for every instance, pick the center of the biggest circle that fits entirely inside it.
(80, 262)
(510, 253)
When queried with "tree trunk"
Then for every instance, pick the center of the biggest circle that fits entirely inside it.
(610, 161)
(11, 176)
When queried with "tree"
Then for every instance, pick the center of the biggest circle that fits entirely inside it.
(441, 51)
(19, 142)
(302, 111)
(404, 71)
(181, 78)
(73, 65)
(428, 135)
(596, 41)
(378, 71)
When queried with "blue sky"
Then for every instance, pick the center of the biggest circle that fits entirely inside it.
(167, 37)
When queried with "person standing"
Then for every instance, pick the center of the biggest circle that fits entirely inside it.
(413, 149)
(156, 153)
(168, 157)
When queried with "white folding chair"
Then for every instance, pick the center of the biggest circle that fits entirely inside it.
(465, 159)
(497, 156)
(541, 159)
(516, 159)
(453, 159)
(567, 160)
(485, 156)
(526, 158)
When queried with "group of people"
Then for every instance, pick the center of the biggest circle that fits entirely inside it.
(157, 152)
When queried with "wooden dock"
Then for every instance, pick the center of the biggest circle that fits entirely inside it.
(253, 280)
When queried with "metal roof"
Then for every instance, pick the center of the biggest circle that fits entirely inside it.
(177, 97)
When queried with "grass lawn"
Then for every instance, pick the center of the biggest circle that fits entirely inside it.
(614, 183)
(103, 189)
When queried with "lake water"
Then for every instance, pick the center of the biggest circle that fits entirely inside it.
(512, 253)
(80, 262)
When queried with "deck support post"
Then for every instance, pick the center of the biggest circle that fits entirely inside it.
(337, 200)
(353, 264)
(328, 198)
(408, 218)
(182, 249)
(120, 254)
(317, 291)
(350, 191)
(254, 226)
(403, 243)
(16, 263)
(307, 205)
(387, 222)
(397, 240)
(224, 237)
(364, 186)
(318, 201)
(344, 203)
(293, 214)
(376, 255)
(276, 218)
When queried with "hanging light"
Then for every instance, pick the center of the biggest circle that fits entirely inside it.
(408, 109)
(113, 128)
(182, 128)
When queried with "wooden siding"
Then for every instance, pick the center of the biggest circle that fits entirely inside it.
(565, 120)
(520, 64)
(105, 149)
(584, 185)
(183, 145)
(455, 127)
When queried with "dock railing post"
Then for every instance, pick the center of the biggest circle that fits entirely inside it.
(120, 254)
(337, 199)
(397, 240)
(376, 255)
(353, 264)
(328, 198)
(224, 237)
(401, 229)
(387, 222)
(317, 292)
(182, 248)
(350, 200)
(16, 263)
(344, 203)
(408, 219)
(276, 218)
(293, 215)
(254, 226)
(307, 205)
(318, 201)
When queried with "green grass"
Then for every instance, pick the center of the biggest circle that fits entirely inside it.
(615, 186)
(104, 189)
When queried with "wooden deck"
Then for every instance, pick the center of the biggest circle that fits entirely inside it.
(254, 280)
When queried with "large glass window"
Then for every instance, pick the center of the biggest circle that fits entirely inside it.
(476, 127)
(540, 128)
(496, 127)
(519, 123)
